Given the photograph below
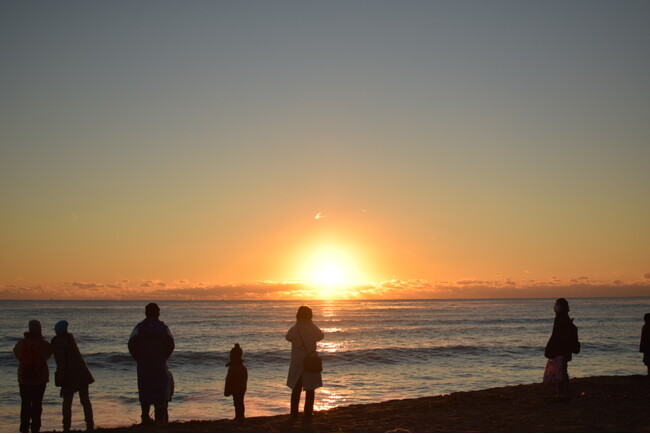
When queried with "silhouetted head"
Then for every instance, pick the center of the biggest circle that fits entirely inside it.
(35, 327)
(561, 306)
(304, 312)
(646, 317)
(61, 327)
(152, 310)
(236, 353)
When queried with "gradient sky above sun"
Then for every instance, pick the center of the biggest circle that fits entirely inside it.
(294, 149)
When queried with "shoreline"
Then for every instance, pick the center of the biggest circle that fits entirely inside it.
(598, 404)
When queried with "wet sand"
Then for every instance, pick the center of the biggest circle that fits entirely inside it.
(598, 404)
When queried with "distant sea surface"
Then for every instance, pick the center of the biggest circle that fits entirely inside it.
(373, 350)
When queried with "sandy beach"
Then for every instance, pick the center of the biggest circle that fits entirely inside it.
(598, 404)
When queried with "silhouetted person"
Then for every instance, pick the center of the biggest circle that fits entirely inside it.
(236, 380)
(563, 342)
(303, 337)
(32, 352)
(151, 343)
(645, 341)
(72, 375)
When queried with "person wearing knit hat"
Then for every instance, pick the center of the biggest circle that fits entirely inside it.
(72, 375)
(236, 381)
(61, 327)
(32, 353)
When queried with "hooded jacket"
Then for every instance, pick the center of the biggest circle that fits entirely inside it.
(151, 343)
(32, 352)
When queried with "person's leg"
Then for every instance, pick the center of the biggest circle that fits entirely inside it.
(25, 407)
(564, 391)
(295, 397)
(66, 408)
(146, 408)
(238, 400)
(309, 402)
(37, 406)
(84, 397)
(160, 412)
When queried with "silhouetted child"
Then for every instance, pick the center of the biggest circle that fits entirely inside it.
(645, 341)
(236, 381)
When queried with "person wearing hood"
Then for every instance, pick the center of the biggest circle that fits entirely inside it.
(236, 380)
(32, 352)
(563, 343)
(72, 375)
(303, 337)
(644, 347)
(151, 344)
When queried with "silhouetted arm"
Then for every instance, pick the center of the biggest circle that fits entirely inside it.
(319, 336)
(170, 343)
(133, 343)
(291, 334)
(18, 349)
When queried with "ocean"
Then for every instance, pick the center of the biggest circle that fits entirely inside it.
(373, 350)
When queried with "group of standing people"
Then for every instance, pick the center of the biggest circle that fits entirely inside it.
(72, 375)
(151, 344)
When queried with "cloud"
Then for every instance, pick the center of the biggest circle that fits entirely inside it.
(153, 284)
(647, 275)
(474, 282)
(87, 285)
(302, 291)
(319, 216)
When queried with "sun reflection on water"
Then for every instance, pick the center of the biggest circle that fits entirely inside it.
(330, 347)
(328, 399)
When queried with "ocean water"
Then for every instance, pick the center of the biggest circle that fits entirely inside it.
(373, 350)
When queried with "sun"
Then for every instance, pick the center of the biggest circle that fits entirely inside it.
(331, 270)
(330, 274)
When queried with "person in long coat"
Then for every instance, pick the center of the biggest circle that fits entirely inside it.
(72, 375)
(32, 353)
(151, 344)
(644, 347)
(563, 342)
(303, 337)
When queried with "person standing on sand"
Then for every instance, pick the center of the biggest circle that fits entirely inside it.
(563, 342)
(32, 353)
(645, 341)
(72, 375)
(303, 337)
(151, 344)
(236, 380)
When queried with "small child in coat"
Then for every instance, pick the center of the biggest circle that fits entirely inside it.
(236, 380)
(645, 341)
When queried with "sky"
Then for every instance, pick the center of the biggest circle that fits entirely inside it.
(301, 150)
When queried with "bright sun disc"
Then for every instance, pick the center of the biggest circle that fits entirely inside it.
(330, 274)
(330, 268)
